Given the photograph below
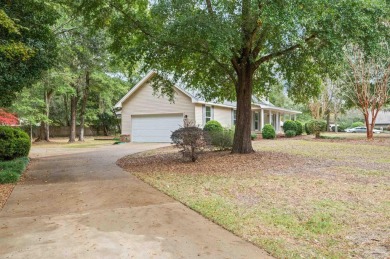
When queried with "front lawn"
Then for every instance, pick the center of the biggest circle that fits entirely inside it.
(296, 198)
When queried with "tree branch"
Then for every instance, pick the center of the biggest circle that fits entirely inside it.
(209, 7)
(282, 52)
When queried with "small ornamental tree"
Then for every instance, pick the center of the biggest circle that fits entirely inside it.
(191, 140)
(316, 127)
(369, 88)
(7, 118)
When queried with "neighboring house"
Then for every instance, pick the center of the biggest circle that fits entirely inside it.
(383, 119)
(147, 117)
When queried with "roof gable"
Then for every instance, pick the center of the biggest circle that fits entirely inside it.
(195, 98)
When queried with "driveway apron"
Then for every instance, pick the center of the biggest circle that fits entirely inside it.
(76, 203)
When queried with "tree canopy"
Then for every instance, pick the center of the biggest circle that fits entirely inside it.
(27, 44)
(231, 49)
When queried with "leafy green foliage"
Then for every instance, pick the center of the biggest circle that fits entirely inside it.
(316, 127)
(29, 45)
(191, 141)
(253, 136)
(213, 126)
(268, 132)
(290, 133)
(7, 176)
(10, 171)
(289, 125)
(307, 128)
(233, 48)
(14, 143)
(299, 130)
(357, 124)
(222, 140)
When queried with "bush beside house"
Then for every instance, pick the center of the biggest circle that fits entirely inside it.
(268, 132)
(15, 145)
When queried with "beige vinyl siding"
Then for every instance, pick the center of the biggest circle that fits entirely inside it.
(198, 115)
(223, 115)
(144, 102)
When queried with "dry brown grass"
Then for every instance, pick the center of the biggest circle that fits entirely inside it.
(297, 198)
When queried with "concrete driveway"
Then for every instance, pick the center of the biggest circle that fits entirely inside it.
(76, 203)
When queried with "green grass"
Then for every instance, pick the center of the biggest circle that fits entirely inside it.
(10, 171)
(308, 199)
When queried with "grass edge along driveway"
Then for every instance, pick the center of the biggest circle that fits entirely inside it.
(294, 198)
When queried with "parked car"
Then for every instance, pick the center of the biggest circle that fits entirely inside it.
(361, 130)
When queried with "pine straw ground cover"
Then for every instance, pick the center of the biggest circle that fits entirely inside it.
(296, 198)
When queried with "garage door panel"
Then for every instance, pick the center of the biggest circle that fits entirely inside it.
(155, 128)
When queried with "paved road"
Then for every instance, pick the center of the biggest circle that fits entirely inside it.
(76, 203)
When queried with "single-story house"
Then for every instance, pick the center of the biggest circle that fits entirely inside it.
(147, 117)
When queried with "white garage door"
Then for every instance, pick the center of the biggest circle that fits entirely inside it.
(155, 128)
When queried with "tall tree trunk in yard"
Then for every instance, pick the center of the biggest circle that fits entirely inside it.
(242, 135)
(73, 107)
(66, 110)
(83, 106)
(44, 131)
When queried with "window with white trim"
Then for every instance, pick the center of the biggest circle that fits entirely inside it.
(256, 120)
(208, 115)
(234, 117)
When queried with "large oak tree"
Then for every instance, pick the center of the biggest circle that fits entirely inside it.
(232, 49)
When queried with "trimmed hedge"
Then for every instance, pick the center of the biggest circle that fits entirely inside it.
(299, 128)
(289, 125)
(290, 133)
(14, 143)
(212, 126)
(268, 132)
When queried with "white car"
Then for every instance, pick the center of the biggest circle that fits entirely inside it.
(361, 130)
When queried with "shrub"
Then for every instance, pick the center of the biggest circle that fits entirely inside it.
(316, 126)
(357, 124)
(289, 125)
(290, 133)
(299, 128)
(268, 132)
(11, 170)
(17, 165)
(8, 176)
(223, 140)
(213, 126)
(191, 141)
(307, 128)
(253, 136)
(14, 143)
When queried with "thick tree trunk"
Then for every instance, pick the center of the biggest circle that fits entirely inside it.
(83, 106)
(66, 110)
(73, 107)
(242, 136)
(368, 126)
(44, 131)
(328, 120)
